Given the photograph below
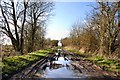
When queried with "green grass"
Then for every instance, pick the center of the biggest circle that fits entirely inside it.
(84, 55)
(12, 64)
(109, 64)
(74, 51)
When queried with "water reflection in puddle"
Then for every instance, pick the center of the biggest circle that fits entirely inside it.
(60, 68)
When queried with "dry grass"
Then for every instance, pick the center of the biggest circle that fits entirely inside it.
(7, 50)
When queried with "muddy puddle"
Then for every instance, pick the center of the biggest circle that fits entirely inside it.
(59, 67)
(63, 66)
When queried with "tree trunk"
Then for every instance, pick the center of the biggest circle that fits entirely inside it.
(22, 39)
(15, 44)
(102, 47)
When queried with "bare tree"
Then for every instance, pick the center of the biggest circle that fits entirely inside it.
(108, 26)
(104, 20)
(13, 14)
(101, 30)
(39, 38)
(38, 13)
(75, 33)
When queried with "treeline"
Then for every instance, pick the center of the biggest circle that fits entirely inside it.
(24, 22)
(100, 33)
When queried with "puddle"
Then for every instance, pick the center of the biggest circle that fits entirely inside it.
(59, 68)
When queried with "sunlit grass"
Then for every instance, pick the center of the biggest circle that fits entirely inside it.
(15, 63)
(108, 64)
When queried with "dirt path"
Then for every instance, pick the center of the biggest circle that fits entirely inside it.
(84, 67)
(87, 67)
(31, 69)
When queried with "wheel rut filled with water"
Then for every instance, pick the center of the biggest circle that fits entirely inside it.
(63, 64)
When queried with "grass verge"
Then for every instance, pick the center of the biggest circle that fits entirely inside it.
(105, 63)
(11, 65)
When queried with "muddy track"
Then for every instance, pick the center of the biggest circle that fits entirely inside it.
(31, 69)
(83, 66)
(87, 67)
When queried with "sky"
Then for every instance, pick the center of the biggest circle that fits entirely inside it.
(66, 14)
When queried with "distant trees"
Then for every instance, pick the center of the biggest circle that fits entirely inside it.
(67, 41)
(82, 36)
(75, 33)
(100, 31)
(24, 22)
(51, 43)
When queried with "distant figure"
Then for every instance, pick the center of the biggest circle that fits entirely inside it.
(59, 44)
